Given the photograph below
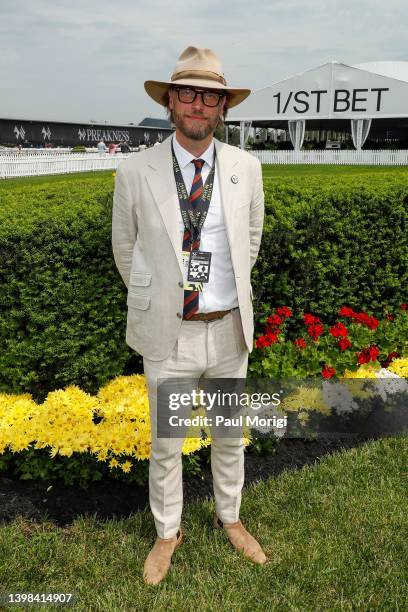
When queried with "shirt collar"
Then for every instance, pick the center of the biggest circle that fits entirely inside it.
(184, 157)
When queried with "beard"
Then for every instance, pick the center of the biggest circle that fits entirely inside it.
(200, 131)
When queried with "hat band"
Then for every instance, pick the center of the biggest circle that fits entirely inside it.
(186, 74)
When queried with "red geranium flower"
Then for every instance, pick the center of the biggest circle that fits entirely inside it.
(309, 319)
(373, 323)
(328, 371)
(284, 311)
(390, 357)
(300, 343)
(274, 319)
(390, 317)
(266, 340)
(338, 330)
(343, 344)
(365, 319)
(404, 306)
(360, 317)
(345, 311)
(315, 330)
(363, 357)
(261, 342)
(272, 338)
(272, 329)
(373, 351)
(368, 354)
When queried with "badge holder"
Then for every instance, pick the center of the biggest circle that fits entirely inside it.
(197, 265)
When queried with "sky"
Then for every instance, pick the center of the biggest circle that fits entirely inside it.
(82, 61)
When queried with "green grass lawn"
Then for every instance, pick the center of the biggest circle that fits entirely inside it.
(335, 534)
(276, 170)
(294, 170)
(105, 175)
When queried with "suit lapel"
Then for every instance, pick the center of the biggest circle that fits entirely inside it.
(227, 165)
(160, 177)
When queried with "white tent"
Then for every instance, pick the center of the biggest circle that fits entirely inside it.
(333, 91)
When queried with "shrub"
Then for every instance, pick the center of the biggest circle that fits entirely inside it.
(329, 242)
(326, 242)
(63, 313)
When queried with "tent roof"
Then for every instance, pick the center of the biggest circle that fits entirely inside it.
(156, 123)
(394, 70)
(331, 91)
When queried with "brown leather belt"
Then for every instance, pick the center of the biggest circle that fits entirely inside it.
(209, 316)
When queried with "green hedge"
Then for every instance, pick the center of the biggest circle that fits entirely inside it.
(327, 242)
(63, 303)
(335, 241)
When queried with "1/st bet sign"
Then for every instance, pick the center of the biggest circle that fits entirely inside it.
(343, 100)
(333, 90)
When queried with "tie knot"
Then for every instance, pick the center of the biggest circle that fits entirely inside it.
(198, 163)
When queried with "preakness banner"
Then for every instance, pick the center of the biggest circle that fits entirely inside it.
(16, 131)
(293, 408)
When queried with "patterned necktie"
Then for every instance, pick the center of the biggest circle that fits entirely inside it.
(191, 298)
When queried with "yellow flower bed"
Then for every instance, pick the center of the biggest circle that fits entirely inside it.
(399, 367)
(64, 422)
(367, 370)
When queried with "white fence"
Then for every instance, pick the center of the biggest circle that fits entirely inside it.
(17, 165)
(42, 162)
(31, 152)
(369, 158)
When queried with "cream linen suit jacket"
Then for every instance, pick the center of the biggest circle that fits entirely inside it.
(146, 240)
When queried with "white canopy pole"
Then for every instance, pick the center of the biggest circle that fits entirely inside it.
(359, 131)
(297, 133)
(244, 128)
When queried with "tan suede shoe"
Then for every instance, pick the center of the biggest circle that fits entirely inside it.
(158, 560)
(242, 540)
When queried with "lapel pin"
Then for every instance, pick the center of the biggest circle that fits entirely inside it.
(234, 179)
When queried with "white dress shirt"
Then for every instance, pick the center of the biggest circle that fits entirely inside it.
(220, 293)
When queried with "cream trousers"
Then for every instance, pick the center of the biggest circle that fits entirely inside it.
(213, 349)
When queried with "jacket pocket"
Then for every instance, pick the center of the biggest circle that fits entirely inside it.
(140, 279)
(142, 302)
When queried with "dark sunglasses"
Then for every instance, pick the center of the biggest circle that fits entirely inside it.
(189, 94)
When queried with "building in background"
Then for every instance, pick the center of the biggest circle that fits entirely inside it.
(14, 132)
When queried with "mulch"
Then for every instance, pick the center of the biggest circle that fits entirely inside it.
(110, 499)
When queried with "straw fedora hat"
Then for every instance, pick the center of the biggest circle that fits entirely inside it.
(198, 68)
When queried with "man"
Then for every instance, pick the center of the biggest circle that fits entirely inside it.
(184, 329)
(101, 147)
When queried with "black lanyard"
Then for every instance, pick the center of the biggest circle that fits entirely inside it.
(193, 219)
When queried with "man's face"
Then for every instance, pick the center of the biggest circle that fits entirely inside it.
(194, 119)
